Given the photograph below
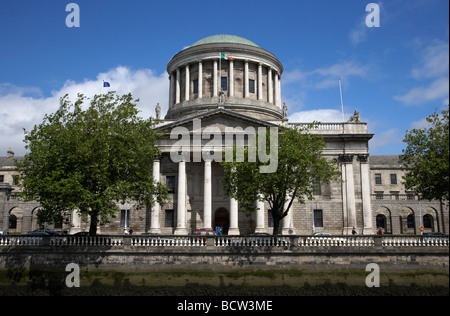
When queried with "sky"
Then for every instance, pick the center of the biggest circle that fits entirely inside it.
(394, 74)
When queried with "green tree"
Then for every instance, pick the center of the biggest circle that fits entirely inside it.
(300, 165)
(90, 159)
(426, 158)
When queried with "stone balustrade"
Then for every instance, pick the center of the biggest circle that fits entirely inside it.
(297, 242)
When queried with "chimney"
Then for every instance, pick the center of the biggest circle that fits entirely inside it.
(9, 153)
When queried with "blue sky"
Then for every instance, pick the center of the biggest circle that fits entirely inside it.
(395, 75)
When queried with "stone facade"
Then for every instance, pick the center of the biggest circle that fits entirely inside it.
(212, 98)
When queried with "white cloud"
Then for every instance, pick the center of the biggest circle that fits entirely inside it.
(392, 136)
(432, 70)
(437, 90)
(23, 107)
(434, 61)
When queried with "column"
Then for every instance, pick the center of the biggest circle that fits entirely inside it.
(156, 208)
(177, 87)
(215, 91)
(187, 84)
(200, 79)
(234, 226)
(279, 90)
(260, 215)
(171, 89)
(207, 196)
(365, 195)
(348, 194)
(270, 85)
(276, 90)
(231, 79)
(181, 200)
(246, 83)
(260, 94)
(287, 226)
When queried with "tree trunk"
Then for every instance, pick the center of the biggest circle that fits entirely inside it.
(93, 225)
(276, 223)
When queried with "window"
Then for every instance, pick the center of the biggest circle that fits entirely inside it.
(122, 218)
(428, 221)
(317, 189)
(170, 183)
(318, 218)
(378, 178)
(251, 86)
(410, 221)
(381, 221)
(12, 222)
(195, 86)
(169, 218)
(393, 178)
(2, 178)
(269, 219)
(224, 83)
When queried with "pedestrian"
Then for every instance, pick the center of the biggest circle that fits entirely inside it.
(354, 231)
(130, 231)
(125, 232)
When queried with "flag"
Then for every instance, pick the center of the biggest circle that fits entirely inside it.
(226, 57)
(106, 84)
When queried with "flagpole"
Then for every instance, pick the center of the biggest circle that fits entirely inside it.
(342, 102)
(220, 72)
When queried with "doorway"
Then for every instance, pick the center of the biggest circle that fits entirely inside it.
(222, 219)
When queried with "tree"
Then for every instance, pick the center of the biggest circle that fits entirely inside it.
(426, 158)
(300, 165)
(89, 160)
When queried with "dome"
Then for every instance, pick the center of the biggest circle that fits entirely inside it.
(233, 39)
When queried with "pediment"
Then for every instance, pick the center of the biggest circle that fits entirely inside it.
(219, 119)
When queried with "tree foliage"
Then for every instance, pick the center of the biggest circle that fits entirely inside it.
(426, 158)
(90, 159)
(300, 165)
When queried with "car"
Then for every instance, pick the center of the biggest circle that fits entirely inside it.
(203, 232)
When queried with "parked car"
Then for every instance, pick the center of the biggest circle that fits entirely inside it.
(435, 237)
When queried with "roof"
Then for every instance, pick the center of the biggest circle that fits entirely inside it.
(385, 160)
(225, 38)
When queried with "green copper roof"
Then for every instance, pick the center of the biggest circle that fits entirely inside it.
(233, 39)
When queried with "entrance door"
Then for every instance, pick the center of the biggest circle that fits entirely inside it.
(222, 219)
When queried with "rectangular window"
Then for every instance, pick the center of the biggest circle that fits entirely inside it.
(318, 218)
(269, 219)
(224, 83)
(122, 218)
(170, 183)
(393, 178)
(169, 218)
(195, 86)
(317, 189)
(378, 178)
(2, 178)
(251, 86)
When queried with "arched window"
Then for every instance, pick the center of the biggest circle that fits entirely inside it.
(381, 221)
(12, 222)
(428, 221)
(410, 221)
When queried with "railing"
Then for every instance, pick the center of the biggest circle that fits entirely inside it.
(148, 242)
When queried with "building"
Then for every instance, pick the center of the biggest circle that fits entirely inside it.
(221, 88)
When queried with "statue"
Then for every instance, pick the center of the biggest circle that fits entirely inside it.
(285, 110)
(221, 97)
(158, 111)
(354, 118)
